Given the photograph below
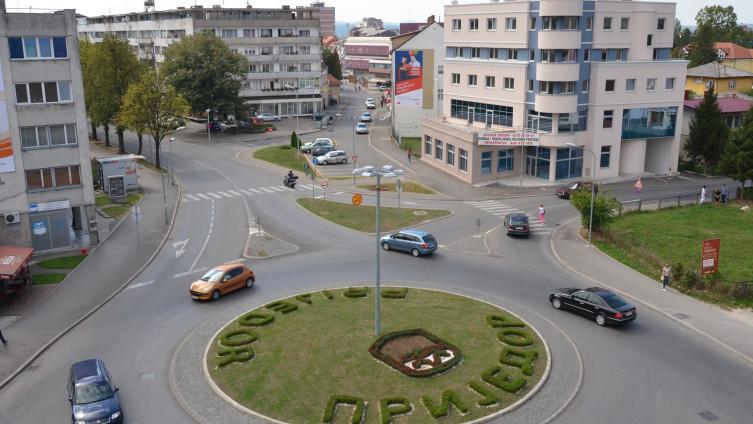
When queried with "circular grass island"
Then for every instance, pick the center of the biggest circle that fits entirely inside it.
(315, 358)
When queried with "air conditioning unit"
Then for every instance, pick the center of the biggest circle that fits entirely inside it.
(13, 218)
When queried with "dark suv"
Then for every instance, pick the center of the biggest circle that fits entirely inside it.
(93, 396)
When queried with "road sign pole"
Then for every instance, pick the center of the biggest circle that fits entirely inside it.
(377, 295)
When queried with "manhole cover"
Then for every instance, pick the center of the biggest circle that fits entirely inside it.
(420, 213)
(680, 315)
(708, 416)
(147, 376)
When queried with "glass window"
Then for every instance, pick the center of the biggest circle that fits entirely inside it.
(456, 78)
(57, 135)
(62, 177)
(608, 118)
(472, 80)
(651, 84)
(21, 95)
(547, 56)
(51, 92)
(438, 149)
(45, 47)
(609, 86)
(475, 52)
(589, 23)
(59, 47)
(630, 84)
(569, 163)
(509, 83)
(547, 23)
(530, 85)
(584, 86)
(457, 25)
(463, 163)
(533, 23)
(604, 55)
(490, 81)
(35, 92)
(567, 87)
(586, 55)
(34, 179)
(450, 155)
(491, 24)
(70, 134)
(512, 54)
(660, 24)
(42, 136)
(493, 54)
(606, 152)
(732, 84)
(511, 24)
(571, 23)
(505, 160)
(30, 47)
(16, 47)
(624, 23)
(473, 24)
(607, 23)
(648, 122)
(75, 175)
(65, 91)
(28, 136)
(486, 163)
(669, 84)
(649, 39)
(427, 145)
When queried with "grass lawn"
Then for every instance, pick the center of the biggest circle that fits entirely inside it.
(294, 372)
(414, 143)
(362, 218)
(49, 278)
(408, 187)
(283, 156)
(116, 210)
(675, 235)
(66, 262)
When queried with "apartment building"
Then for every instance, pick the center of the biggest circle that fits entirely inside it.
(46, 191)
(524, 80)
(282, 45)
(326, 19)
(368, 58)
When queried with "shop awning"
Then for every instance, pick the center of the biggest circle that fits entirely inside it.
(12, 260)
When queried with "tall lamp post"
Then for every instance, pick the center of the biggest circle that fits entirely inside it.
(209, 126)
(170, 169)
(386, 171)
(593, 187)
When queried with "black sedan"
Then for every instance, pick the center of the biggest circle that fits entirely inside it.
(517, 224)
(597, 303)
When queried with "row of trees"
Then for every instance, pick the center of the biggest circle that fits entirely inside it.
(713, 24)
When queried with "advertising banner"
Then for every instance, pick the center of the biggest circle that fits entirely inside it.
(519, 138)
(6, 145)
(409, 78)
(710, 256)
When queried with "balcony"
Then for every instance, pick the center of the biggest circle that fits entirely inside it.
(557, 71)
(556, 103)
(560, 7)
(559, 39)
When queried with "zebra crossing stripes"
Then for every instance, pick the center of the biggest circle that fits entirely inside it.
(499, 209)
(240, 192)
(267, 190)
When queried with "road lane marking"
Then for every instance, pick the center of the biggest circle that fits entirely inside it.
(142, 284)
(277, 188)
(256, 191)
(216, 196)
(234, 193)
(247, 193)
(222, 193)
(206, 241)
(267, 190)
(192, 197)
(204, 196)
(195, 271)
(234, 261)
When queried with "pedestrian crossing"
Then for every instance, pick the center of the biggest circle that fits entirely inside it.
(244, 192)
(499, 209)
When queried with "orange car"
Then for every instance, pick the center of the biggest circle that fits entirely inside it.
(222, 280)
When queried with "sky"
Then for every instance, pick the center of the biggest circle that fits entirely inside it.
(345, 10)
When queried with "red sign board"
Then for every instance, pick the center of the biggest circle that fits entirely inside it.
(710, 256)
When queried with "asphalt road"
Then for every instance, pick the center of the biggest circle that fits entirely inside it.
(650, 372)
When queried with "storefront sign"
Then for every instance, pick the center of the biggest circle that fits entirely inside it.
(519, 138)
(39, 228)
(49, 206)
(710, 256)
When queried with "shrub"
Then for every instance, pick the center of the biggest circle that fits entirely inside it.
(393, 406)
(294, 140)
(334, 400)
(604, 208)
(448, 398)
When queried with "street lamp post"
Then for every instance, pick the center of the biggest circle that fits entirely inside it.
(593, 187)
(385, 172)
(170, 169)
(209, 126)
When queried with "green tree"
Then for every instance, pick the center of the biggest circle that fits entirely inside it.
(708, 132)
(204, 70)
(737, 159)
(703, 47)
(86, 50)
(294, 140)
(722, 22)
(152, 103)
(682, 37)
(605, 207)
(332, 60)
(111, 68)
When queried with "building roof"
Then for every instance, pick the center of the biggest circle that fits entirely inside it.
(733, 51)
(726, 104)
(715, 70)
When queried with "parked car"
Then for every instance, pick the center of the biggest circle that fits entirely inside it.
(361, 128)
(566, 191)
(366, 117)
(370, 103)
(335, 156)
(266, 117)
(321, 150)
(306, 147)
(222, 280)
(517, 223)
(601, 305)
(215, 126)
(92, 394)
(416, 242)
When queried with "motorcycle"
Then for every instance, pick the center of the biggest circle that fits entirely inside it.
(288, 181)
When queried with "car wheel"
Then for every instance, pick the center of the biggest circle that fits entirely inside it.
(386, 246)
(216, 295)
(415, 253)
(556, 303)
(249, 283)
(601, 320)
(324, 162)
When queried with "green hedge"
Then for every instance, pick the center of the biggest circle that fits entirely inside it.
(334, 400)
(448, 398)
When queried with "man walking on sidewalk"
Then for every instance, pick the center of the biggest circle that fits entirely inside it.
(410, 154)
(665, 272)
(2, 338)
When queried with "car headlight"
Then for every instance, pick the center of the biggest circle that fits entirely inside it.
(115, 416)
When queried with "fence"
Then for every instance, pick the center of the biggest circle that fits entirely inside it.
(671, 201)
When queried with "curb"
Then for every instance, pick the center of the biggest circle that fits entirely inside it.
(248, 242)
(89, 313)
(651, 306)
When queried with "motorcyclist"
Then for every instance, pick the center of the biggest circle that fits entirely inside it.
(290, 178)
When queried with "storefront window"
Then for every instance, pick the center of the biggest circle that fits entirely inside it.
(537, 162)
(481, 112)
(505, 160)
(438, 149)
(648, 123)
(463, 162)
(427, 145)
(450, 155)
(569, 163)
(486, 163)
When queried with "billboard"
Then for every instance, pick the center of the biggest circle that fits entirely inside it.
(409, 81)
(519, 138)
(6, 145)
(710, 256)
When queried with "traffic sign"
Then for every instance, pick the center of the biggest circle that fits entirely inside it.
(324, 184)
(399, 186)
(355, 158)
(357, 199)
(136, 213)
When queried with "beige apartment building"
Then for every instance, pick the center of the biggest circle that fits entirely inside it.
(523, 80)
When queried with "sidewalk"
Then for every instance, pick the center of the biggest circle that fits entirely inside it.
(732, 330)
(107, 269)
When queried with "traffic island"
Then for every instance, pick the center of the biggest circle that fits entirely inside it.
(315, 357)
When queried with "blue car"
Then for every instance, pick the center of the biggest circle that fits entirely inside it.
(92, 394)
(416, 242)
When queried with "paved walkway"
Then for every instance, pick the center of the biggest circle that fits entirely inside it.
(91, 283)
(732, 330)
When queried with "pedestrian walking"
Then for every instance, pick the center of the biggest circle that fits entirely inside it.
(664, 278)
(2, 338)
(410, 154)
(542, 212)
(703, 195)
(725, 192)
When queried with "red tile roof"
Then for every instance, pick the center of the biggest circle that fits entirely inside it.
(726, 104)
(732, 51)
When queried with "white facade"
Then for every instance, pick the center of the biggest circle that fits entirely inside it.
(282, 45)
(46, 196)
(597, 74)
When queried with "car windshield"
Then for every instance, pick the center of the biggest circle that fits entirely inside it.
(519, 219)
(212, 275)
(613, 300)
(94, 392)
